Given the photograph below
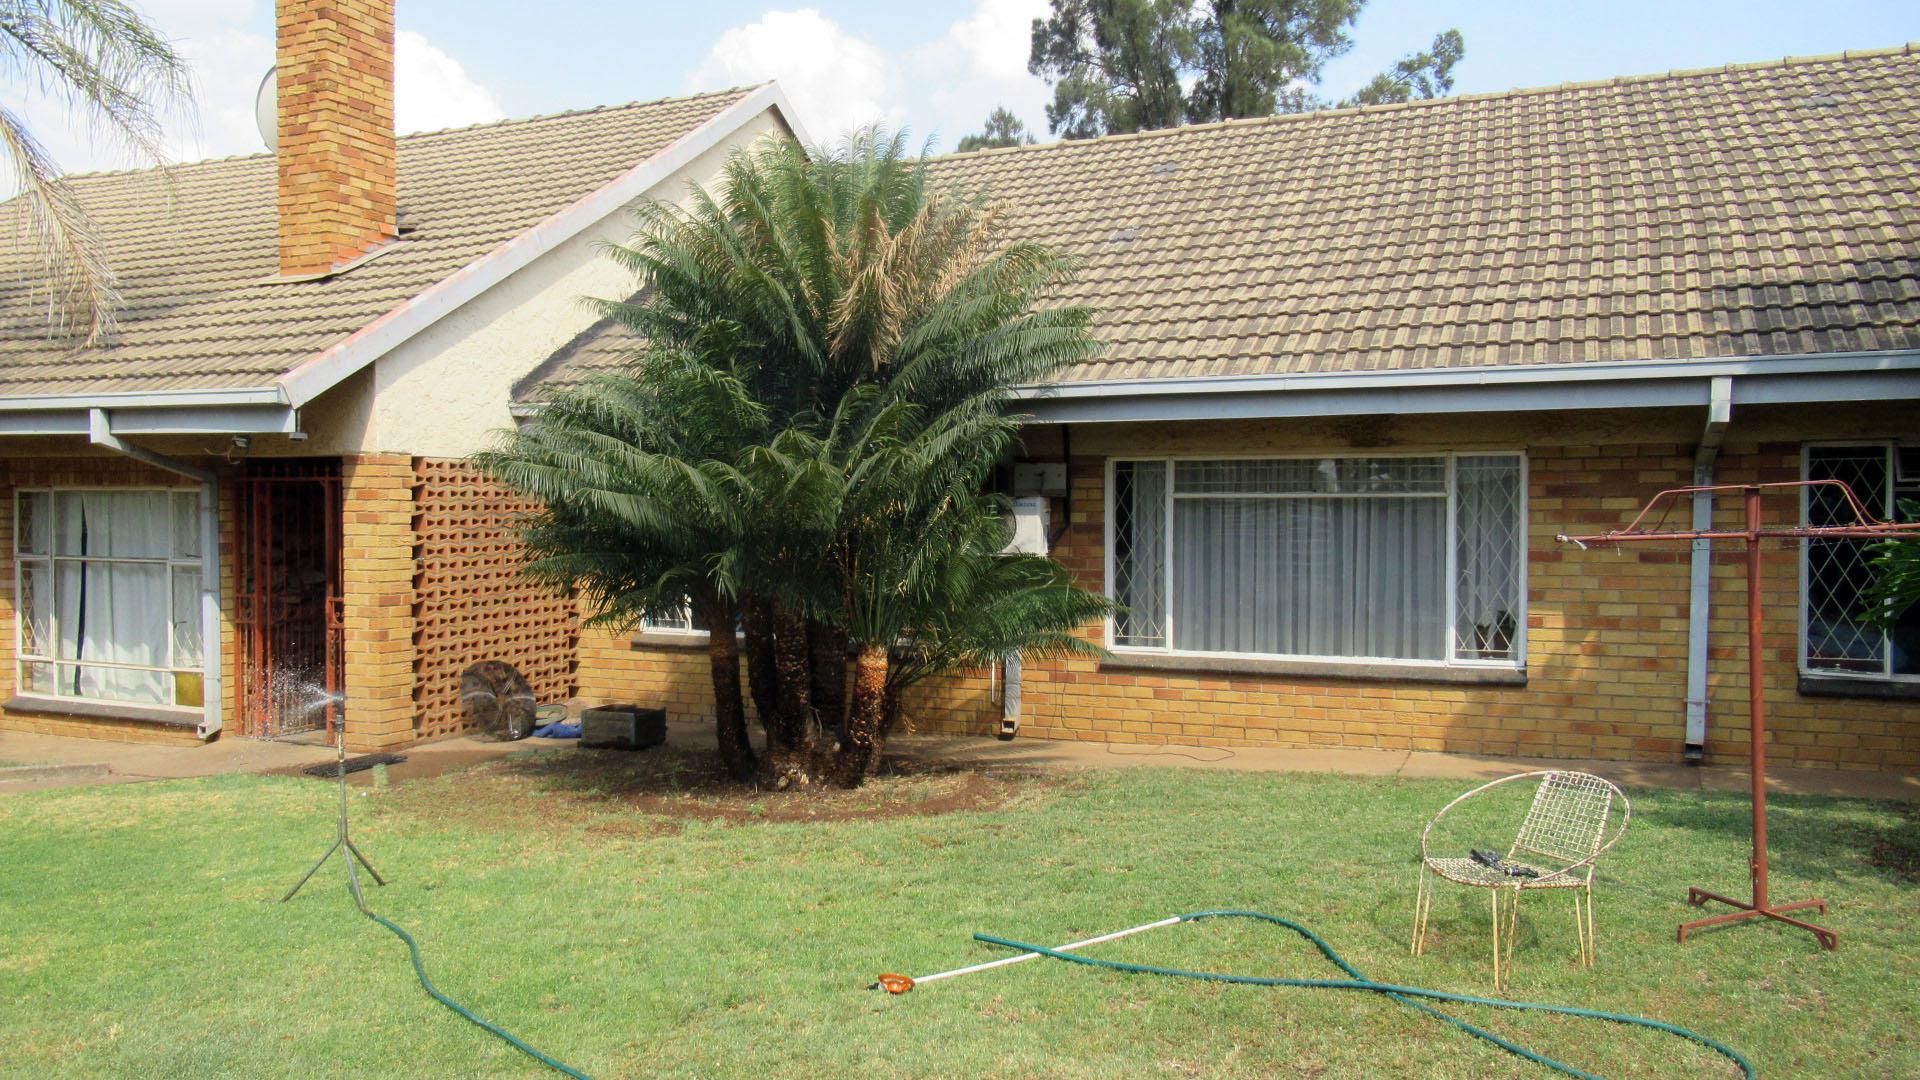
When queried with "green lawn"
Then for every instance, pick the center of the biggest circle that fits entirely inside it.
(139, 934)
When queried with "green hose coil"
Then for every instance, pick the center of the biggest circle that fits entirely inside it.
(1406, 995)
(413, 948)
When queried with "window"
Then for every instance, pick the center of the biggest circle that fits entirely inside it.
(681, 621)
(1836, 572)
(109, 595)
(1413, 559)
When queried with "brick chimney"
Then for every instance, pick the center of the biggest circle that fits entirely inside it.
(335, 132)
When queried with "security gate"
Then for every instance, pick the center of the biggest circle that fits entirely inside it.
(287, 587)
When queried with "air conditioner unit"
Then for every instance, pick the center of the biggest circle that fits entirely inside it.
(1029, 526)
(1040, 478)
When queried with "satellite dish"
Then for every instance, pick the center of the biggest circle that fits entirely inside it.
(266, 110)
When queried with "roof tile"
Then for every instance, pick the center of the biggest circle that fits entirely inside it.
(193, 244)
(1746, 210)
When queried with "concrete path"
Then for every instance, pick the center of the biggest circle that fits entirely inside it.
(1047, 753)
(31, 762)
(44, 761)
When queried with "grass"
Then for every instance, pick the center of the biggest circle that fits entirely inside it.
(633, 936)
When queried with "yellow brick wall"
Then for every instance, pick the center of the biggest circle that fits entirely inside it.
(675, 679)
(377, 593)
(335, 134)
(1606, 631)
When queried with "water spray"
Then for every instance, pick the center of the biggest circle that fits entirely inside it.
(343, 841)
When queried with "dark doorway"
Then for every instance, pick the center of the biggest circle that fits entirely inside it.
(287, 584)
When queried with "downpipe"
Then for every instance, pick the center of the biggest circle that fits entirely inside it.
(1700, 567)
(213, 646)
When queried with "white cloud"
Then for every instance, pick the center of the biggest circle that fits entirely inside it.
(837, 82)
(432, 90)
(981, 63)
(943, 88)
(227, 68)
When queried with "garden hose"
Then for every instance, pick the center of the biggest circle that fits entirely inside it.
(1406, 995)
(413, 948)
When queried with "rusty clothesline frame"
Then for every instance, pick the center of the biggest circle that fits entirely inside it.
(1864, 527)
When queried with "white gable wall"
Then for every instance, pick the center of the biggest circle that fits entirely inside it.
(445, 392)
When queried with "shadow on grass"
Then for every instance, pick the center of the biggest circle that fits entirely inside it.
(594, 788)
(1810, 837)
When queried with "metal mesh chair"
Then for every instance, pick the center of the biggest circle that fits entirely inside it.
(1562, 838)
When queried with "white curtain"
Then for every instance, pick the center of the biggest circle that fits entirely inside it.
(115, 612)
(1325, 576)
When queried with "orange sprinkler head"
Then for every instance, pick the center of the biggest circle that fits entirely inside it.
(894, 984)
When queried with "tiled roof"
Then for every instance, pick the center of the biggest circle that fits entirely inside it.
(192, 247)
(1743, 211)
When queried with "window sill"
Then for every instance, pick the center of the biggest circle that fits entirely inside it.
(97, 710)
(669, 639)
(1314, 669)
(1840, 686)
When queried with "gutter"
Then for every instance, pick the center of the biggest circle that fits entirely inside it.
(254, 411)
(212, 646)
(1700, 566)
(1847, 376)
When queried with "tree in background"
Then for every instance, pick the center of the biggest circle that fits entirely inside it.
(112, 66)
(1003, 129)
(1130, 65)
(1115, 65)
(1423, 75)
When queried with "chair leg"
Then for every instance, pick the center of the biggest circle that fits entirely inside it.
(1496, 939)
(1510, 934)
(1422, 903)
(1592, 943)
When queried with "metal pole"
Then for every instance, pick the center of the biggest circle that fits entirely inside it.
(900, 984)
(1756, 700)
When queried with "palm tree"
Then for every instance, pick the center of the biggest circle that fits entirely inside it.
(983, 605)
(877, 324)
(638, 510)
(111, 65)
(1895, 565)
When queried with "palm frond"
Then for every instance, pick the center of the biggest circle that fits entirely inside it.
(106, 61)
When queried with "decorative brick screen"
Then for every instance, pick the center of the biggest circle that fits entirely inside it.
(470, 602)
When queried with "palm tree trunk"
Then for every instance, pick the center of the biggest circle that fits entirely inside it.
(793, 668)
(729, 711)
(866, 714)
(890, 710)
(756, 626)
(828, 646)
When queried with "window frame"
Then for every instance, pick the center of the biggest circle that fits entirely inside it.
(693, 627)
(1451, 662)
(1890, 448)
(51, 560)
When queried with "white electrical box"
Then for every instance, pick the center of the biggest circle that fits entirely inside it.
(1040, 478)
(1029, 526)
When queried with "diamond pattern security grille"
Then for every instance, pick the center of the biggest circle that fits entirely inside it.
(472, 603)
(1837, 570)
(1140, 552)
(1488, 547)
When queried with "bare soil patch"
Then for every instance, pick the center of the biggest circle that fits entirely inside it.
(617, 794)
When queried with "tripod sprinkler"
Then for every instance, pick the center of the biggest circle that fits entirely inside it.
(342, 842)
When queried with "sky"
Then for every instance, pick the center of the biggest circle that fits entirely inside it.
(935, 67)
